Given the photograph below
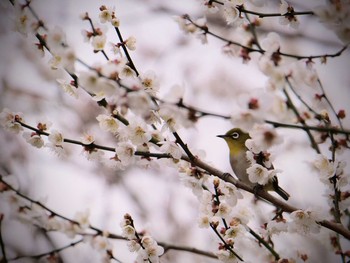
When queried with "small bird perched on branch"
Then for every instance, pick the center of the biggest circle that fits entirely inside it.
(235, 139)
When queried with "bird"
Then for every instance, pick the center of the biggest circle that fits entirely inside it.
(235, 139)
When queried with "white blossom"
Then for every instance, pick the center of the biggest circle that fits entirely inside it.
(171, 148)
(140, 102)
(231, 193)
(271, 43)
(133, 245)
(130, 43)
(56, 38)
(185, 25)
(324, 167)
(128, 232)
(224, 210)
(87, 139)
(275, 227)
(290, 20)
(9, 120)
(127, 72)
(265, 136)
(82, 218)
(98, 42)
(150, 82)
(138, 133)
(259, 174)
(231, 13)
(106, 14)
(34, 139)
(226, 256)
(22, 19)
(108, 123)
(71, 229)
(101, 243)
(204, 221)
(115, 22)
(68, 87)
(55, 143)
(303, 222)
(125, 152)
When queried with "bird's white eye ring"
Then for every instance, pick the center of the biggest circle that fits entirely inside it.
(235, 135)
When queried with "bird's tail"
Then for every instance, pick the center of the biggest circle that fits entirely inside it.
(279, 190)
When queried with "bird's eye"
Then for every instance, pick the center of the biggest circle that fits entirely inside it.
(235, 135)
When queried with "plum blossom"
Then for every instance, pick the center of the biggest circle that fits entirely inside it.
(126, 72)
(271, 43)
(87, 139)
(68, 87)
(82, 218)
(22, 19)
(289, 18)
(303, 222)
(55, 142)
(230, 193)
(125, 152)
(324, 167)
(171, 148)
(108, 123)
(56, 38)
(130, 43)
(98, 42)
(9, 120)
(150, 82)
(138, 133)
(265, 136)
(106, 14)
(185, 25)
(34, 139)
(231, 12)
(259, 174)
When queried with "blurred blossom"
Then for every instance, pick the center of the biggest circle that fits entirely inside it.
(87, 139)
(130, 43)
(108, 123)
(34, 139)
(288, 19)
(171, 148)
(8, 120)
(98, 42)
(125, 152)
(271, 43)
(265, 136)
(68, 88)
(303, 222)
(324, 167)
(126, 72)
(56, 38)
(150, 82)
(231, 13)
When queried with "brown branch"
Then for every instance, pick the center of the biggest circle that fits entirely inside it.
(285, 207)
(249, 49)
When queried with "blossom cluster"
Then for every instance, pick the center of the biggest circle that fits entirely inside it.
(144, 245)
(261, 170)
(36, 213)
(143, 125)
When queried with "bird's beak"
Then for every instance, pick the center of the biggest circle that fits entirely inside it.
(221, 136)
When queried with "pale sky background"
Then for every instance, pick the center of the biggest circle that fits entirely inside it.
(212, 81)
